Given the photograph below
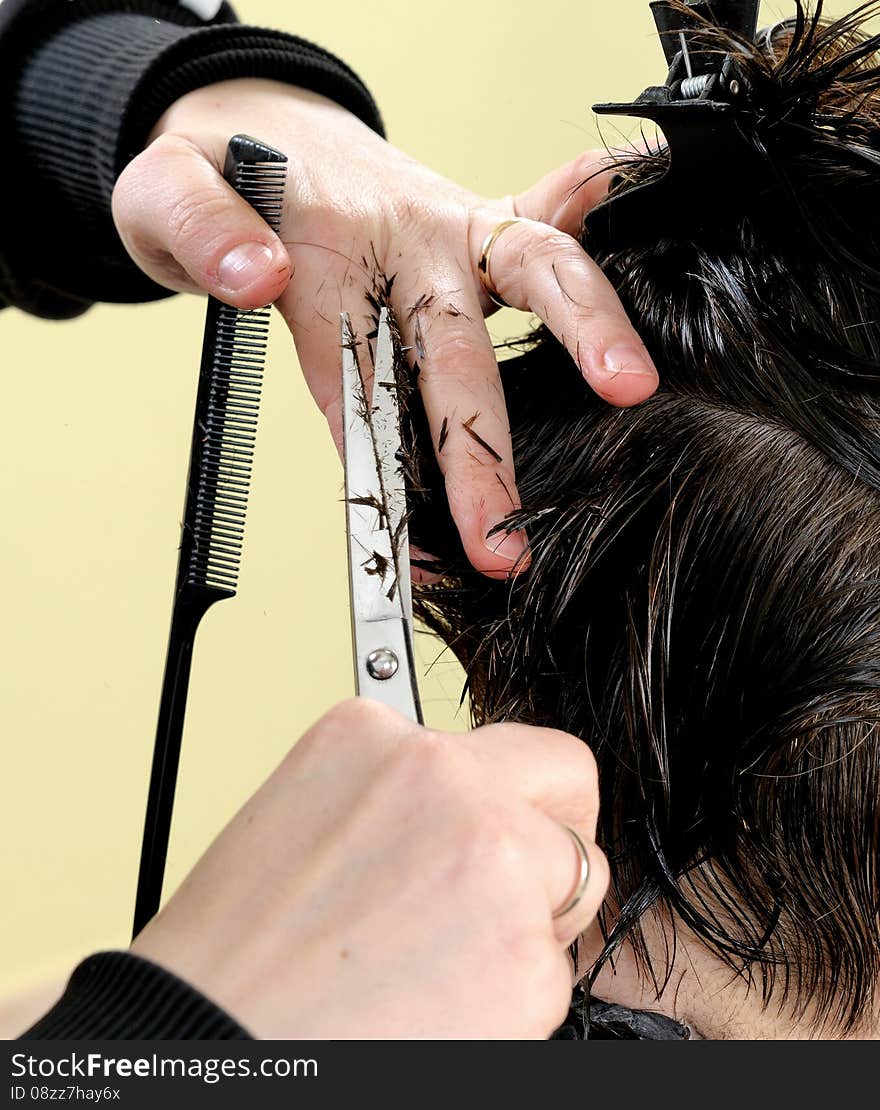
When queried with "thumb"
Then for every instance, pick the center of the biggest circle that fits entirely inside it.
(189, 230)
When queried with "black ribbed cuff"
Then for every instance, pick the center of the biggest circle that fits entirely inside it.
(91, 94)
(83, 106)
(205, 56)
(118, 996)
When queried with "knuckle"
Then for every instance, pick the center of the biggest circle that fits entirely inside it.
(405, 210)
(426, 765)
(169, 144)
(360, 730)
(588, 769)
(359, 718)
(455, 350)
(512, 254)
(173, 147)
(493, 842)
(553, 245)
(597, 326)
(343, 713)
(157, 206)
(413, 212)
(484, 851)
(191, 213)
(590, 162)
(492, 857)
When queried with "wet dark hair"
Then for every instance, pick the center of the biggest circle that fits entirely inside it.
(703, 602)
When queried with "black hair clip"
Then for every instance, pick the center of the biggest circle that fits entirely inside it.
(701, 110)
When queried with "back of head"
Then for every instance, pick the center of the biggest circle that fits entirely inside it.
(703, 601)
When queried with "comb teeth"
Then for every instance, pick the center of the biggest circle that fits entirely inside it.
(226, 450)
(230, 383)
(258, 173)
(262, 186)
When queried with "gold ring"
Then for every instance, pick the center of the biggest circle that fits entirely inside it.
(485, 260)
(582, 880)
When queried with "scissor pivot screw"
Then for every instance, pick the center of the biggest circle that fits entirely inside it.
(382, 664)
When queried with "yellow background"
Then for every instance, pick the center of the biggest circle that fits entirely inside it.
(96, 426)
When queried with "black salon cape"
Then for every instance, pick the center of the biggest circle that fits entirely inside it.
(82, 83)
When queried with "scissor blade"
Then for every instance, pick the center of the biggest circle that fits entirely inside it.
(372, 562)
(380, 630)
(386, 434)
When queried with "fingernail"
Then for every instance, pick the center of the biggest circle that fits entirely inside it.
(243, 265)
(509, 545)
(628, 360)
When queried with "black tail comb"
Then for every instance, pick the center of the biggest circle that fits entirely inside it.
(221, 458)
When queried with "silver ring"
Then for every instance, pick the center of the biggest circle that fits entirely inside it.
(582, 880)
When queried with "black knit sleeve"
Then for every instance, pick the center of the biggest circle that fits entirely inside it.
(83, 84)
(118, 996)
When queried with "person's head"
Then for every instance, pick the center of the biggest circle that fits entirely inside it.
(703, 600)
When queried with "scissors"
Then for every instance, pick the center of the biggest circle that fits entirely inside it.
(377, 524)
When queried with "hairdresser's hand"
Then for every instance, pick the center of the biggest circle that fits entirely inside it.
(391, 882)
(360, 211)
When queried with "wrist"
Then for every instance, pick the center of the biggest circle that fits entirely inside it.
(233, 978)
